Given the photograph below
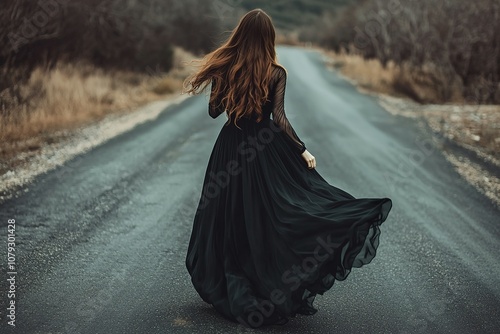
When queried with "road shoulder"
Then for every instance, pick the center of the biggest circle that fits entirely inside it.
(71, 143)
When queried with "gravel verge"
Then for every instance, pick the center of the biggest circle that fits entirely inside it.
(69, 144)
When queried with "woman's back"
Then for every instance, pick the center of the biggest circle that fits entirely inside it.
(274, 108)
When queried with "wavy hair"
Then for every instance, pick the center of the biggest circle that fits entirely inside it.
(239, 70)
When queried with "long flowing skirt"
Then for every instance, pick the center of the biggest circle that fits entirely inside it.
(269, 234)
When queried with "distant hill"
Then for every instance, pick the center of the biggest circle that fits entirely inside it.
(290, 14)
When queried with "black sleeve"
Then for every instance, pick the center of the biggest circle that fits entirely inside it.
(278, 112)
(217, 109)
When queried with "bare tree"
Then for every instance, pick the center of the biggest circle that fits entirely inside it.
(131, 34)
(446, 44)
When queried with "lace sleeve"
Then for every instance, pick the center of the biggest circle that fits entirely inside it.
(278, 111)
(217, 109)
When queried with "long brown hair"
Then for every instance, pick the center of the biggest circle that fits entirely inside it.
(240, 70)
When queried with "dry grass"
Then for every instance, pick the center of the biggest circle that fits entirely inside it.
(472, 126)
(288, 38)
(369, 74)
(72, 95)
(167, 85)
(426, 84)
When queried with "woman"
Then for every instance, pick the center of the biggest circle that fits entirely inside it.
(269, 233)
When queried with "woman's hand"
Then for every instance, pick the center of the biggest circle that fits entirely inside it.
(309, 158)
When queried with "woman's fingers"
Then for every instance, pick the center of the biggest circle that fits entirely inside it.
(311, 163)
(309, 159)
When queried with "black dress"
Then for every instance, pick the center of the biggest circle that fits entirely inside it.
(269, 233)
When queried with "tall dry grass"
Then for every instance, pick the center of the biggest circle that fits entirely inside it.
(470, 125)
(393, 79)
(72, 95)
(369, 74)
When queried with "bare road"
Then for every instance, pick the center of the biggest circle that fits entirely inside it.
(101, 241)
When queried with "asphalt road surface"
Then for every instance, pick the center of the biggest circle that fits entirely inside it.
(101, 241)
